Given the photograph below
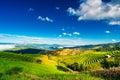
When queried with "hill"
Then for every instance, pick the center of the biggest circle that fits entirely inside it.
(62, 64)
(15, 67)
(29, 51)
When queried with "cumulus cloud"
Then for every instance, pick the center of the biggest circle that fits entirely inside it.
(76, 33)
(45, 19)
(107, 32)
(98, 10)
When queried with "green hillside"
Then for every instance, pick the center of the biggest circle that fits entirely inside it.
(17, 67)
(65, 64)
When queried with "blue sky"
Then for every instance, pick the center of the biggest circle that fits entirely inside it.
(77, 22)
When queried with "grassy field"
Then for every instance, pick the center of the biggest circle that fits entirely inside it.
(21, 70)
(53, 67)
(89, 59)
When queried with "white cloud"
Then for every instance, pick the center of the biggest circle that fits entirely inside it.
(45, 19)
(67, 34)
(57, 8)
(64, 33)
(41, 18)
(113, 40)
(107, 32)
(9, 38)
(36, 40)
(60, 36)
(30, 9)
(48, 19)
(114, 22)
(5, 47)
(97, 10)
(76, 33)
(72, 11)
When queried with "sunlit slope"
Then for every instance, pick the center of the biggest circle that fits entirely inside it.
(12, 67)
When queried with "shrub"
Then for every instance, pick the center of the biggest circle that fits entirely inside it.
(62, 68)
(75, 66)
(109, 64)
(108, 74)
(117, 58)
(14, 70)
(105, 64)
(83, 67)
(38, 61)
(1, 75)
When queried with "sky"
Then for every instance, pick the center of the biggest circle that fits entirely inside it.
(66, 22)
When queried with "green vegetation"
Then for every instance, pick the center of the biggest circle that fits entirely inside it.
(108, 74)
(20, 70)
(67, 64)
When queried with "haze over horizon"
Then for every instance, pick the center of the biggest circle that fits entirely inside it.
(66, 22)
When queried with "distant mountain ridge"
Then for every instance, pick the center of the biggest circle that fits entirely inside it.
(107, 45)
(6, 43)
(57, 46)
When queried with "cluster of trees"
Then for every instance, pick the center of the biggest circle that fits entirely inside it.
(110, 64)
(117, 58)
(78, 67)
(105, 64)
(109, 47)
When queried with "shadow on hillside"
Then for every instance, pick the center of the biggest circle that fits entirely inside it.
(1, 75)
(30, 51)
(61, 68)
(14, 70)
